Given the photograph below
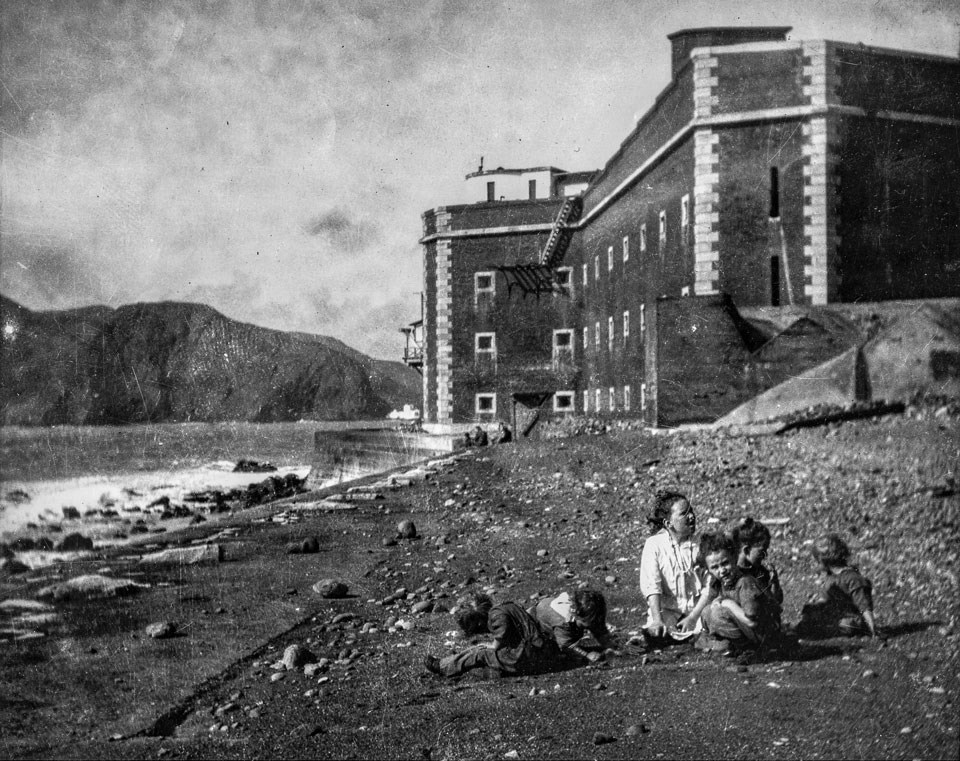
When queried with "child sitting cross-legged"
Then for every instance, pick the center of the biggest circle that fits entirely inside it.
(519, 646)
(741, 615)
(846, 605)
(571, 617)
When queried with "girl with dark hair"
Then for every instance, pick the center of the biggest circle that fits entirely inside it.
(670, 581)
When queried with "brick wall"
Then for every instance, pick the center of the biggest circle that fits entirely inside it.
(701, 355)
(750, 240)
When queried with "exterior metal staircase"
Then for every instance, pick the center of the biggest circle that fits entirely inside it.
(561, 233)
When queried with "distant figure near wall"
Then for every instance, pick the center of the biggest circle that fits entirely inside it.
(476, 438)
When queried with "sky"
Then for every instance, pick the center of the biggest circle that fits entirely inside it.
(272, 159)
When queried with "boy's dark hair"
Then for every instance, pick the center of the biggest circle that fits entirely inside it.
(750, 533)
(591, 606)
(663, 502)
(472, 615)
(715, 542)
(831, 550)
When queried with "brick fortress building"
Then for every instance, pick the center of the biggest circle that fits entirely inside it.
(769, 172)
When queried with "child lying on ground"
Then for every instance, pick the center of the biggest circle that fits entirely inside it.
(846, 605)
(741, 614)
(520, 645)
(569, 618)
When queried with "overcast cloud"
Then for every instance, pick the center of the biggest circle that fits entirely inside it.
(272, 159)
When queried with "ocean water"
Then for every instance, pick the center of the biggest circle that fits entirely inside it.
(45, 473)
(58, 452)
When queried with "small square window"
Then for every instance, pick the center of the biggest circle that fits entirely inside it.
(563, 277)
(610, 259)
(485, 343)
(685, 291)
(613, 399)
(626, 398)
(563, 401)
(626, 248)
(486, 404)
(643, 239)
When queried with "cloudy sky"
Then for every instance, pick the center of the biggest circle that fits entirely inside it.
(272, 159)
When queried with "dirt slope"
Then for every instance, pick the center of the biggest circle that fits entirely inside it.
(890, 486)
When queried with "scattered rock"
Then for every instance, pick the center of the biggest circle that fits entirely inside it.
(252, 466)
(389, 542)
(296, 657)
(406, 530)
(12, 567)
(91, 586)
(600, 738)
(205, 553)
(70, 513)
(17, 496)
(307, 546)
(161, 630)
(330, 588)
(75, 543)
(422, 607)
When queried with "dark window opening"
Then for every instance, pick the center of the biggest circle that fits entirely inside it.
(484, 282)
(491, 192)
(775, 281)
(533, 189)
(774, 193)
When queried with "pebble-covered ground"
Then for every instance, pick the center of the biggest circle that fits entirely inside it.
(264, 666)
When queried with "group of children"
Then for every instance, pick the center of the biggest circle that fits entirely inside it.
(740, 609)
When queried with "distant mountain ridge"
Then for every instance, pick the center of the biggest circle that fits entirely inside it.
(178, 362)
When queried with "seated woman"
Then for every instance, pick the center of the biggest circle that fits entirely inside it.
(520, 645)
(670, 580)
(569, 618)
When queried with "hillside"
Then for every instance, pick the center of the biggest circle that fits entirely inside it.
(177, 362)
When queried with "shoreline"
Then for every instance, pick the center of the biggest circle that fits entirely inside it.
(482, 523)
